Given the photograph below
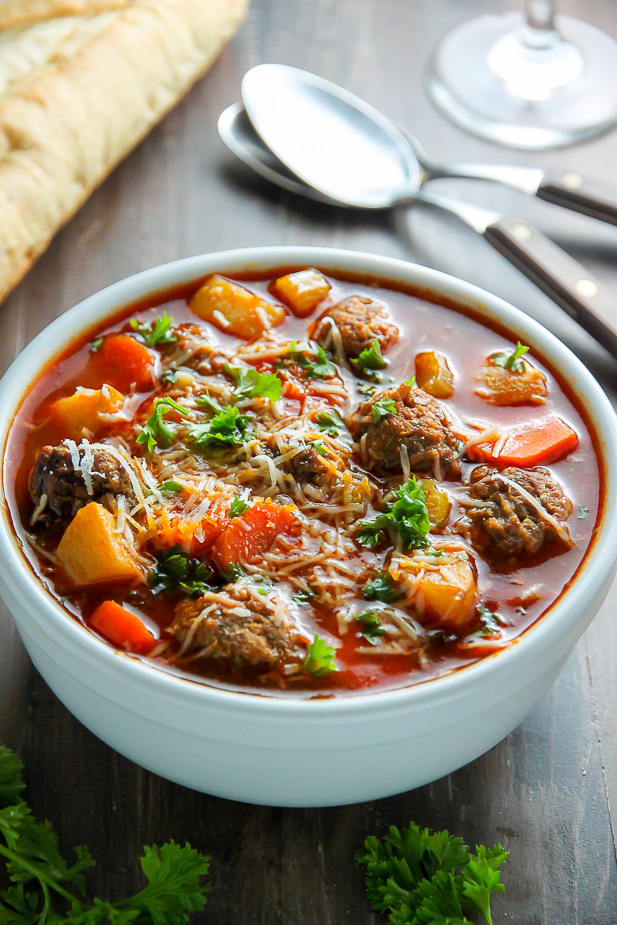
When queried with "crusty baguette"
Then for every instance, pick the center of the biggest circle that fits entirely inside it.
(85, 97)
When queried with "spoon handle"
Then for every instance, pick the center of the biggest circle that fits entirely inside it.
(584, 297)
(569, 189)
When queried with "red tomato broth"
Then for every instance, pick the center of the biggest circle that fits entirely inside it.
(466, 342)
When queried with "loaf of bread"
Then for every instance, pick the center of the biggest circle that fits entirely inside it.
(81, 83)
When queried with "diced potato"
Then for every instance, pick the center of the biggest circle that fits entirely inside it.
(445, 591)
(302, 291)
(234, 309)
(437, 502)
(433, 374)
(503, 386)
(85, 409)
(91, 551)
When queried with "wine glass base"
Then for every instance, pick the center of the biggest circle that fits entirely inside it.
(488, 78)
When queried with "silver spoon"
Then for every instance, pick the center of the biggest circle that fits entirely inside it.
(567, 282)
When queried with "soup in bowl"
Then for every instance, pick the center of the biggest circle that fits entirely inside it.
(288, 506)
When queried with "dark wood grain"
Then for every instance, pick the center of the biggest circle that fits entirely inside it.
(546, 792)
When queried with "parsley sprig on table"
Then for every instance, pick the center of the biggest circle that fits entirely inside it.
(159, 332)
(420, 877)
(407, 517)
(45, 890)
(156, 432)
(512, 361)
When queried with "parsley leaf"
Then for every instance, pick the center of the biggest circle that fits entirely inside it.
(319, 447)
(159, 332)
(421, 877)
(251, 384)
(238, 506)
(176, 571)
(372, 625)
(172, 487)
(382, 408)
(304, 595)
(380, 588)
(371, 358)
(169, 377)
(45, 889)
(408, 517)
(96, 345)
(155, 431)
(512, 360)
(234, 572)
(491, 622)
(330, 422)
(314, 360)
(227, 428)
(319, 658)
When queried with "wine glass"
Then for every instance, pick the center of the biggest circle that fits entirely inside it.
(527, 80)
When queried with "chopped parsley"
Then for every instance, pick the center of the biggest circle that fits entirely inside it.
(251, 384)
(421, 877)
(372, 628)
(156, 432)
(176, 571)
(172, 487)
(583, 512)
(319, 658)
(382, 408)
(371, 359)
(234, 572)
(159, 332)
(330, 422)
(411, 382)
(367, 388)
(226, 428)
(491, 622)
(169, 377)
(407, 516)
(380, 588)
(96, 345)
(238, 506)
(304, 595)
(319, 447)
(512, 361)
(313, 360)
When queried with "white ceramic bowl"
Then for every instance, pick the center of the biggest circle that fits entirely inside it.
(291, 752)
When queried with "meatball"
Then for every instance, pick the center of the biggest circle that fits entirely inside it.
(309, 466)
(419, 423)
(360, 322)
(506, 523)
(240, 629)
(55, 476)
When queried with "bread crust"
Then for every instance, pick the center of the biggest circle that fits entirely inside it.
(66, 127)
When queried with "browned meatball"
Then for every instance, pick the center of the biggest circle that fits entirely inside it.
(506, 523)
(360, 322)
(65, 488)
(240, 629)
(419, 423)
(309, 466)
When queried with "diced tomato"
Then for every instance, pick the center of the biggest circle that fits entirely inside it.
(127, 361)
(530, 444)
(122, 627)
(253, 533)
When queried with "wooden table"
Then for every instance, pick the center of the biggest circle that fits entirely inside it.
(545, 792)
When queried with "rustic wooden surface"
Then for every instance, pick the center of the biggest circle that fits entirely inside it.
(545, 792)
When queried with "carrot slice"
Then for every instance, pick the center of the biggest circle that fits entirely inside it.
(530, 444)
(122, 627)
(126, 361)
(250, 535)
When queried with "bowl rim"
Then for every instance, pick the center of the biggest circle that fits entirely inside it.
(52, 619)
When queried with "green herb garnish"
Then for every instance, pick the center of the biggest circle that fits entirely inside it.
(238, 506)
(159, 332)
(583, 512)
(380, 588)
(314, 360)
(407, 516)
(234, 572)
(371, 358)
(512, 360)
(156, 431)
(227, 428)
(45, 890)
(179, 572)
(319, 658)
(491, 622)
(304, 595)
(96, 345)
(330, 422)
(319, 447)
(172, 487)
(382, 408)
(169, 377)
(372, 625)
(251, 384)
(420, 877)
(367, 388)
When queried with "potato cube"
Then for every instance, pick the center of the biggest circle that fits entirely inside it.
(437, 503)
(503, 386)
(85, 409)
(234, 309)
(442, 588)
(302, 291)
(91, 552)
(433, 374)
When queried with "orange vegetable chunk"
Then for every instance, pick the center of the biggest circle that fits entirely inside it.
(302, 291)
(234, 309)
(122, 627)
(530, 444)
(433, 374)
(127, 361)
(85, 409)
(247, 537)
(508, 387)
(91, 551)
